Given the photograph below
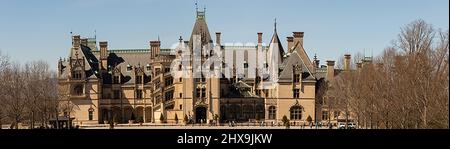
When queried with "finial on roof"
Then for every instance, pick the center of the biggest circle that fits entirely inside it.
(158, 37)
(315, 56)
(275, 25)
(95, 34)
(196, 6)
(181, 39)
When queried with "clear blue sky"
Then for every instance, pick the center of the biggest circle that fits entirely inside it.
(34, 30)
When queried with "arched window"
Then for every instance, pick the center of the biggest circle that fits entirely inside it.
(272, 112)
(259, 111)
(91, 114)
(296, 113)
(248, 112)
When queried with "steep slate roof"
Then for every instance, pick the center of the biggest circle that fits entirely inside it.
(240, 90)
(91, 63)
(121, 59)
(292, 60)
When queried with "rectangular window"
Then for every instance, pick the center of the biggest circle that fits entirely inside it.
(181, 95)
(169, 81)
(181, 107)
(180, 79)
(324, 115)
(296, 78)
(166, 70)
(258, 92)
(116, 80)
(203, 92)
(91, 115)
(138, 79)
(157, 71)
(116, 94)
(148, 68)
(266, 92)
(198, 93)
(168, 96)
(139, 94)
(245, 65)
(296, 93)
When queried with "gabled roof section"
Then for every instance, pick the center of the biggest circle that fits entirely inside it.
(295, 60)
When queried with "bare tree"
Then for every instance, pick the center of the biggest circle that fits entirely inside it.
(405, 87)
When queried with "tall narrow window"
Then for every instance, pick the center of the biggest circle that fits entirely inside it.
(203, 92)
(139, 94)
(296, 78)
(138, 79)
(296, 93)
(198, 91)
(91, 114)
(116, 80)
(324, 115)
(116, 94)
(272, 112)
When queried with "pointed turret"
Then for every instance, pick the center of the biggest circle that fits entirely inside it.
(201, 28)
(275, 54)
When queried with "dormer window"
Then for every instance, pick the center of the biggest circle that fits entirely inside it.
(296, 78)
(116, 79)
(138, 79)
(129, 68)
(148, 68)
(245, 65)
(76, 74)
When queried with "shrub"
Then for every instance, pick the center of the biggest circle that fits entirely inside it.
(162, 119)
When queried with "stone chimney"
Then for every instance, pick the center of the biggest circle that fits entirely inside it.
(260, 38)
(347, 58)
(154, 49)
(358, 66)
(76, 41)
(290, 44)
(330, 70)
(104, 55)
(218, 38)
(84, 42)
(298, 37)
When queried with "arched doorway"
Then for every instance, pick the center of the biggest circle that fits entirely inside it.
(200, 114)
(148, 114)
(139, 114)
(105, 115)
